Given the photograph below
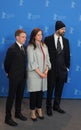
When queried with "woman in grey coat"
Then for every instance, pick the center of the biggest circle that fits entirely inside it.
(38, 66)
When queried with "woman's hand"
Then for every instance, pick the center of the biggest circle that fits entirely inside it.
(46, 71)
(42, 75)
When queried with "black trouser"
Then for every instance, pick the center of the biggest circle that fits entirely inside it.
(57, 88)
(58, 92)
(35, 100)
(50, 88)
(16, 90)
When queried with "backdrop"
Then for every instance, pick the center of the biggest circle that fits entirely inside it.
(28, 14)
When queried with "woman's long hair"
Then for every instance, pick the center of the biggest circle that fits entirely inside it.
(32, 37)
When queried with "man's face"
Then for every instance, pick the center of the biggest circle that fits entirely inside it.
(21, 38)
(61, 31)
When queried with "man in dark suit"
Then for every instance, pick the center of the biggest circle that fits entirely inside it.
(59, 53)
(15, 68)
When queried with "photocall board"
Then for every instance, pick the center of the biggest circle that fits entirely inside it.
(28, 14)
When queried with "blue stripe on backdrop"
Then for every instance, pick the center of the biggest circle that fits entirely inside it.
(29, 14)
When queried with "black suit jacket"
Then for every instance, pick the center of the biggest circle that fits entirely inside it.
(50, 42)
(15, 62)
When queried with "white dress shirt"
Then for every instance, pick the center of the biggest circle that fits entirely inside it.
(60, 39)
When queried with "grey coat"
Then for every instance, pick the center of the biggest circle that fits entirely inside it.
(35, 60)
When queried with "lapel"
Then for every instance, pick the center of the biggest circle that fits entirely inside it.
(17, 47)
(64, 43)
(19, 50)
(53, 43)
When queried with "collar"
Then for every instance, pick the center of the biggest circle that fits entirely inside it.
(57, 36)
(18, 44)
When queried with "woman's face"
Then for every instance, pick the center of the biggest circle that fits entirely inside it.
(38, 36)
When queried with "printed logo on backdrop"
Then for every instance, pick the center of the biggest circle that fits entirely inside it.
(6, 15)
(79, 43)
(21, 2)
(47, 2)
(69, 79)
(56, 17)
(20, 26)
(32, 16)
(78, 68)
(73, 4)
(46, 28)
(77, 92)
(3, 40)
(4, 91)
(80, 18)
(71, 31)
(3, 88)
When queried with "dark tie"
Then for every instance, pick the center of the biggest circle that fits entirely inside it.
(22, 49)
(58, 46)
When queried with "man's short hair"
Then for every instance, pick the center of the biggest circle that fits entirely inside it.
(19, 31)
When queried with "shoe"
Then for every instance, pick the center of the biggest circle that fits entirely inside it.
(59, 110)
(33, 119)
(33, 115)
(40, 117)
(49, 112)
(10, 122)
(21, 117)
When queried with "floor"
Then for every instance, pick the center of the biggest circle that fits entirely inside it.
(71, 120)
